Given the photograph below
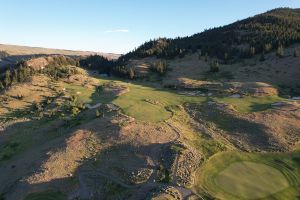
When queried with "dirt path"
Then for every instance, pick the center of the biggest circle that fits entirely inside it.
(176, 131)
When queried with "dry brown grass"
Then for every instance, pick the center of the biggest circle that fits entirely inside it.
(20, 96)
(25, 50)
(270, 130)
(64, 162)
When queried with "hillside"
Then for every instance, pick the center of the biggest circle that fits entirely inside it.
(172, 120)
(15, 50)
(263, 48)
(254, 35)
(16, 53)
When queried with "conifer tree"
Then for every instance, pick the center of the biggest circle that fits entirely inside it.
(214, 66)
(131, 73)
(280, 51)
(1, 85)
(7, 79)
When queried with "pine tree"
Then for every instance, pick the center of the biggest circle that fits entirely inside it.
(131, 73)
(268, 47)
(161, 67)
(214, 66)
(280, 51)
(7, 79)
(14, 78)
(252, 51)
(1, 85)
(21, 74)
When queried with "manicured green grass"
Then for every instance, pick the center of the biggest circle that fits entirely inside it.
(234, 175)
(250, 179)
(47, 195)
(82, 93)
(138, 101)
(87, 95)
(250, 104)
(133, 103)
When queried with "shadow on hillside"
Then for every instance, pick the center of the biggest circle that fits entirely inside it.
(243, 132)
(44, 136)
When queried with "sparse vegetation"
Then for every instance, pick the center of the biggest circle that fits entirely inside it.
(210, 130)
(3, 54)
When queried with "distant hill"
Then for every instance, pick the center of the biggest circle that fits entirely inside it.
(11, 54)
(15, 50)
(242, 39)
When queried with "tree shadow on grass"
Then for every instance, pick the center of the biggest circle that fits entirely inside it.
(257, 107)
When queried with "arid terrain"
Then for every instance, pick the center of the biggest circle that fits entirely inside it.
(169, 129)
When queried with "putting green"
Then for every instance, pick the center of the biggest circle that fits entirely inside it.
(251, 180)
(237, 175)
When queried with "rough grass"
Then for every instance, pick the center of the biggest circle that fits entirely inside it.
(31, 135)
(249, 104)
(194, 137)
(234, 175)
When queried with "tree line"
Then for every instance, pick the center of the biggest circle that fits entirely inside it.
(58, 67)
(260, 34)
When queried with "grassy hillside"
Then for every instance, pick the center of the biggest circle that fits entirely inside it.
(158, 123)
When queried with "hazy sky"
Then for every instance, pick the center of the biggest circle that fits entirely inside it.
(118, 25)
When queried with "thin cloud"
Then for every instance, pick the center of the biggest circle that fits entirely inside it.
(117, 31)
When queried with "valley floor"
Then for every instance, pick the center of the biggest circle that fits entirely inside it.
(87, 137)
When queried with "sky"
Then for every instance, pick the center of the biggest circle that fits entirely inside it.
(118, 26)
